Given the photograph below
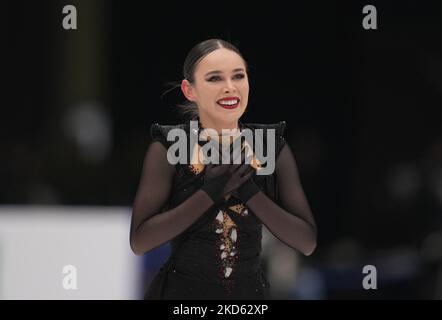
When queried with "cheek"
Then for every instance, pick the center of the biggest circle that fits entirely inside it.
(244, 86)
(245, 89)
(210, 92)
(203, 94)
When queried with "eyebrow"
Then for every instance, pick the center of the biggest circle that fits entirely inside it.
(218, 71)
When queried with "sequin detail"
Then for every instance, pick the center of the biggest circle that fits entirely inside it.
(225, 228)
(227, 245)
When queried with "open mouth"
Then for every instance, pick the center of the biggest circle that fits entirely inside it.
(228, 103)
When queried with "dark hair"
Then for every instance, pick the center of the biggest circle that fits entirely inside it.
(189, 109)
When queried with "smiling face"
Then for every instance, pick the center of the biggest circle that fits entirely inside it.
(220, 89)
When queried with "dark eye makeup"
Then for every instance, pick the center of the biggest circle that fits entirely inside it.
(217, 78)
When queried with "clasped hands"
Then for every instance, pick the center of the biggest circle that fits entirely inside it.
(235, 179)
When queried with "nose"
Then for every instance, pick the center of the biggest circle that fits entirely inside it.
(229, 87)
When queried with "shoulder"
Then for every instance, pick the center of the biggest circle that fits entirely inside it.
(159, 132)
(278, 129)
(157, 129)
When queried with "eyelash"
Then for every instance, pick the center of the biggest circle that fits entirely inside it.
(212, 79)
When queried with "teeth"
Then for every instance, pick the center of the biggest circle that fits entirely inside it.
(228, 102)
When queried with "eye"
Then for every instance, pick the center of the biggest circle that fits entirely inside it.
(214, 78)
(239, 76)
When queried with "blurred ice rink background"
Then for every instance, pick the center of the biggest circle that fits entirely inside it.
(363, 113)
(37, 242)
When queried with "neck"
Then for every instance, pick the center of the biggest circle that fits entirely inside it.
(207, 123)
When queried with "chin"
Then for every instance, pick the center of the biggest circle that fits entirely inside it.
(232, 112)
(230, 115)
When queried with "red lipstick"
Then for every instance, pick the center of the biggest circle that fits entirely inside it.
(228, 102)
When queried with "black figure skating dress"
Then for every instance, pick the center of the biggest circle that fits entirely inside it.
(219, 255)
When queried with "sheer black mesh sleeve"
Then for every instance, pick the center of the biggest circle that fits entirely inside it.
(148, 228)
(290, 220)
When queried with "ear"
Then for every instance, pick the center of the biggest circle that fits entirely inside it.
(187, 89)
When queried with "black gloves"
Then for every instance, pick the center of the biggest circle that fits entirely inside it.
(247, 190)
(220, 180)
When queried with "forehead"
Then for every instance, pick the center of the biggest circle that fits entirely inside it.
(221, 59)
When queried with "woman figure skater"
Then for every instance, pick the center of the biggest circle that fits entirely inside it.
(213, 213)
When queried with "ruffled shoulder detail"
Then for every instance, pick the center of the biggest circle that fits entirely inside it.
(279, 133)
(159, 133)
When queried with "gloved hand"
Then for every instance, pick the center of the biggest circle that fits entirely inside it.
(222, 179)
(247, 189)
